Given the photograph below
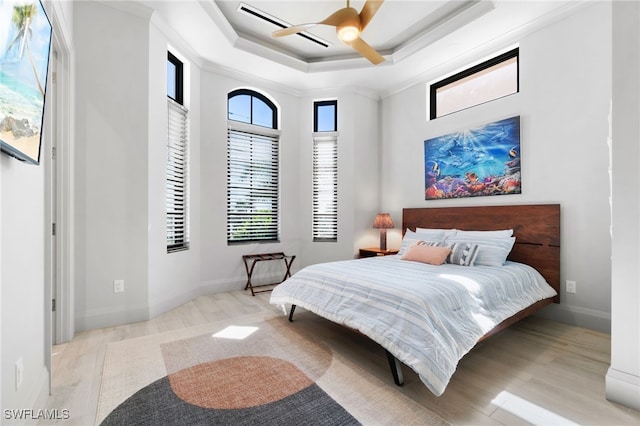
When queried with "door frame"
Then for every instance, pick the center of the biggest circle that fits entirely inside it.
(60, 324)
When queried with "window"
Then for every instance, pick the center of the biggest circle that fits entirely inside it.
(325, 171)
(325, 116)
(482, 83)
(252, 107)
(174, 78)
(252, 168)
(177, 160)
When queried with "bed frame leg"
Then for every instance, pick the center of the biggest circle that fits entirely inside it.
(293, 308)
(396, 368)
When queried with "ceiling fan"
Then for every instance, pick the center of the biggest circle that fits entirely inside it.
(349, 24)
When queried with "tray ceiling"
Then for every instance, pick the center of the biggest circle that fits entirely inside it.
(397, 26)
(414, 36)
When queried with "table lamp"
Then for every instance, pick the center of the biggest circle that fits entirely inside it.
(383, 222)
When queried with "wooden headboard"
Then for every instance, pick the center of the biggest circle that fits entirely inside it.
(535, 226)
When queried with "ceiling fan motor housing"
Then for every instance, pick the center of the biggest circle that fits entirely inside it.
(349, 27)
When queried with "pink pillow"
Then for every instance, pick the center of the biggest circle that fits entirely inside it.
(427, 254)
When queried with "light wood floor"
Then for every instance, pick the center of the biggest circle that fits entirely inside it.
(536, 372)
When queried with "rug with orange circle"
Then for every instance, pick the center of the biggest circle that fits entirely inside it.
(264, 372)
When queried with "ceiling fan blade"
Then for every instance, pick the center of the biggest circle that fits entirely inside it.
(368, 10)
(335, 19)
(367, 51)
(339, 16)
(292, 30)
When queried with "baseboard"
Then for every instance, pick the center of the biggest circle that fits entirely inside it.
(238, 283)
(578, 316)
(110, 317)
(623, 388)
(222, 286)
(159, 307)
(117, 315)
(42, 397)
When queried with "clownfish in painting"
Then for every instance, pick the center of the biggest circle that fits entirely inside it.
(512, 166)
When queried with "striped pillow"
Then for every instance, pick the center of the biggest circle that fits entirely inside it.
(463, 254)
(491, 252)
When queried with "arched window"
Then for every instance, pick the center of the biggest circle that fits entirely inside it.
(248, 106)
(253, 194)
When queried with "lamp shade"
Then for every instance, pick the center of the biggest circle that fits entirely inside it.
(383, 221)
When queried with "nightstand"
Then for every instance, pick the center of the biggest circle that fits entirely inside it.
(375, 251)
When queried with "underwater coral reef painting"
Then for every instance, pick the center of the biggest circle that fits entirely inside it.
(475, 162)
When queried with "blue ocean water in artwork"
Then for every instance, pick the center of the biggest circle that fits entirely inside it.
(19, 100)
(473, 162)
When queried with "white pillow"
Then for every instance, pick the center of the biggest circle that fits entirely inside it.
(433, 234)
(501, 233)
(446, 232)
(411, 238)
(491, 252)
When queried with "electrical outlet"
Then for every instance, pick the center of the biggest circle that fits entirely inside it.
(19, 372)
(571, 286)
(118, 286)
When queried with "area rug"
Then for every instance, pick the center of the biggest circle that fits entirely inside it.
(270, 372)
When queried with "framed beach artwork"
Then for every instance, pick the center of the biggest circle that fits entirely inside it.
(475, 162)
(25, 42)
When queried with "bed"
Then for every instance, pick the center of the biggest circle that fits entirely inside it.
(428, 316)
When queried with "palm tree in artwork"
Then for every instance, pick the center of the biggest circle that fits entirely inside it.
(22, 18)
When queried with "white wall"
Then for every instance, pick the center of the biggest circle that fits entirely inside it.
(23, 296)
(221, 265)
(564, 132)
(366, 172)
(111, 164)
(358, 174)
(563, 104)
(120, 168)
(22, 280)
(120, 165)
(623, 377)
(222, 268)
(174, 278)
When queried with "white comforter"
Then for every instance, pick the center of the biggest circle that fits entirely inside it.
(428, 316)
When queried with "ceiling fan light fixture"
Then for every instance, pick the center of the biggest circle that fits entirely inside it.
(349, 24)
(348, 33)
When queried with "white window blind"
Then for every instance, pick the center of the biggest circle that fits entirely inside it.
(177, 168)
(252, 184)
(325, 186)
